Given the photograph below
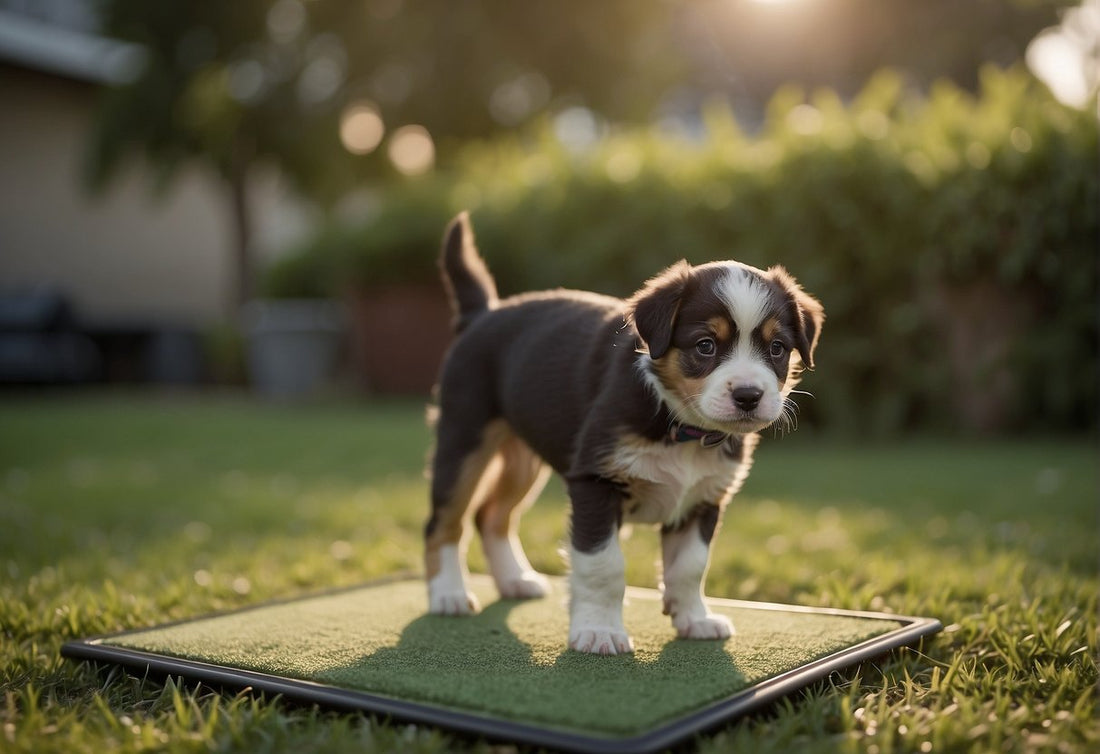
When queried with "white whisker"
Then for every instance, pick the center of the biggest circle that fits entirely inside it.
(788, 418)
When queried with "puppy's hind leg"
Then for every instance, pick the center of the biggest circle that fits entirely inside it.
(462, 459)
(519, 478)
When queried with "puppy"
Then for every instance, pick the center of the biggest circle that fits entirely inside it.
(648, 408)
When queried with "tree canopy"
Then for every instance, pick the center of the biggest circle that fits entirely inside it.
(234, 84)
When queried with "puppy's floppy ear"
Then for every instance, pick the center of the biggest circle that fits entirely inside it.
(806, 311)
(653, 309)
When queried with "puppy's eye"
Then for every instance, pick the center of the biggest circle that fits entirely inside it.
(706, 346)
(778, 348)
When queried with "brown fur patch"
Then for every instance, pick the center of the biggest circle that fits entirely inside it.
(516, 484)
(721, 328)
(671, 374)
(769, 329)
(478, 470)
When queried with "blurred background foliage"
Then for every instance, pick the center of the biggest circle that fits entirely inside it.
(952, 238)
(896, 156)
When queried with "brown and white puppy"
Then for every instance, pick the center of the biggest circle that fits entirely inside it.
(647, 407)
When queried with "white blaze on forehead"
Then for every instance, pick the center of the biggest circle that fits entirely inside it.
(749, 302)
(746, 297)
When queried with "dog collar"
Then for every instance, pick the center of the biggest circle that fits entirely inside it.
(688, 433)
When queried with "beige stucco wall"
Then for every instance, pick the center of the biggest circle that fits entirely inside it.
(127, 253)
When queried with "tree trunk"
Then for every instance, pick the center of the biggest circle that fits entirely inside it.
(237, 180)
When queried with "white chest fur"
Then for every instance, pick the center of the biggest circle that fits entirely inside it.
(664, 482)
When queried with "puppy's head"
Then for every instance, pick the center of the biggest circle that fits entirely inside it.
(725, 342)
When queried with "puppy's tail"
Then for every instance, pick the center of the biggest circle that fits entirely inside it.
(466, 277)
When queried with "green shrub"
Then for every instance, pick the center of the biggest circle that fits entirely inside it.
(303, 274)
(398, 242)
(951, 237)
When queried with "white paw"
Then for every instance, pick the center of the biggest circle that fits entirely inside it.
(529, 586)
(709, 627)
(453, 602)
(601, 640)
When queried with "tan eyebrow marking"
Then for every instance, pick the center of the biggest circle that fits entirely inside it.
(770, 328)
(721, 328)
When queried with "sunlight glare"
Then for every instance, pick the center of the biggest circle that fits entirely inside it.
(412, 150)
(1067, 57)
(361, 128)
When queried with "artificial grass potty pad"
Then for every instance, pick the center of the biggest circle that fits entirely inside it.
(506, 673)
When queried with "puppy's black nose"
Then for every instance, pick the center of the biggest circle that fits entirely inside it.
(746, 398)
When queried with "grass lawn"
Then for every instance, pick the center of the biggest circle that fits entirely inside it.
(121, 512)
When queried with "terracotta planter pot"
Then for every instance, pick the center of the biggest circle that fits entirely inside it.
(398, 335)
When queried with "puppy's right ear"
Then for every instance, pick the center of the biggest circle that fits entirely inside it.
(653, 309)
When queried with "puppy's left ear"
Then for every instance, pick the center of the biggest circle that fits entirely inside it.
(653, 309)
(806, 312)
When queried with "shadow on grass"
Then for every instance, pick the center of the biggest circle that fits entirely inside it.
(479, 665)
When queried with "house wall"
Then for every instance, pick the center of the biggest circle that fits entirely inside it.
(131, 253)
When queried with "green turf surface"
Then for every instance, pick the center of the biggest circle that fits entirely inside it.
(119, 511)
(509, 661)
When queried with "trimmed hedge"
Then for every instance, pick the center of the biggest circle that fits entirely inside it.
(951, 237)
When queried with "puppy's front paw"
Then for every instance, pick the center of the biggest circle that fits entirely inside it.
(602, 640)
(709, 627)
(531, 585)
(453, 602)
